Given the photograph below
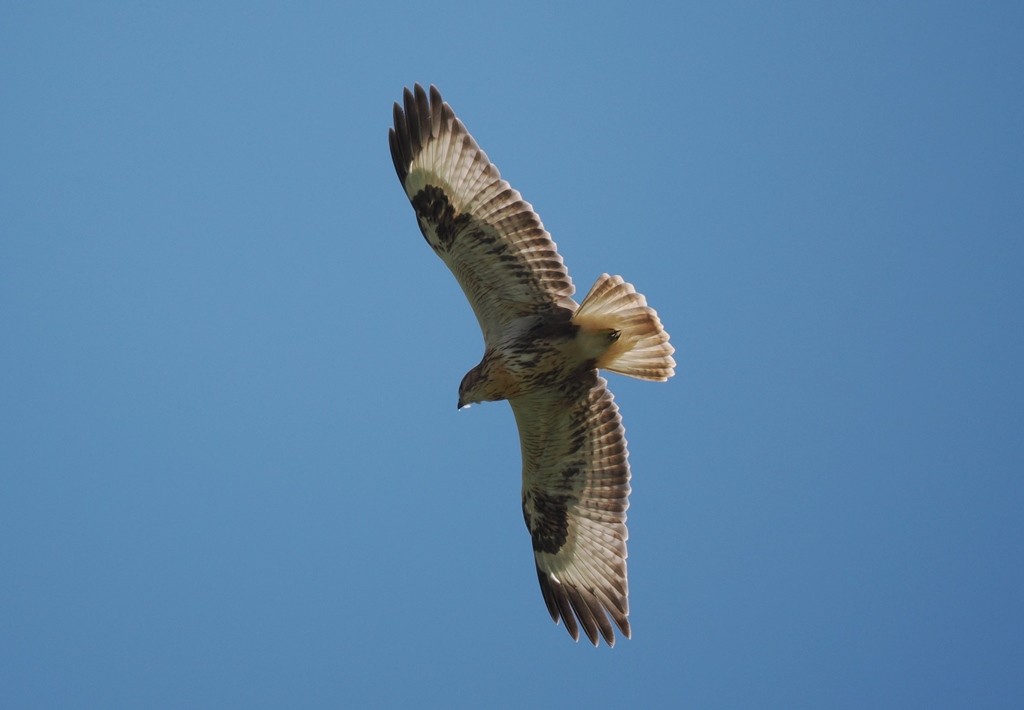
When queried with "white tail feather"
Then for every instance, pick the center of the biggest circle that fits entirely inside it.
(642, 349)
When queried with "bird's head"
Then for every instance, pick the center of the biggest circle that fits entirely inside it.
(468, 393)
(484, 383)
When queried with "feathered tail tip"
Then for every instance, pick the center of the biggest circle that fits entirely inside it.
(642, 349)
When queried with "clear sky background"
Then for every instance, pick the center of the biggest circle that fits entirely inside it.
(232, 473)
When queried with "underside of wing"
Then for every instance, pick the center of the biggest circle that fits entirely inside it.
(489, 237)
(575, 495)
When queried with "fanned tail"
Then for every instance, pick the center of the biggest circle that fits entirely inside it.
(642, 349)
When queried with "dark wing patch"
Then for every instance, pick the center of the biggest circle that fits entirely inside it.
(575, 496)
(435, 209)
(490, 238)
(547, 517)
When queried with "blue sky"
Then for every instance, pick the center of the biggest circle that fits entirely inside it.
(233, 474)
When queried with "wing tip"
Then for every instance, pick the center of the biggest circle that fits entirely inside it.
(575, 607)
(416, 119)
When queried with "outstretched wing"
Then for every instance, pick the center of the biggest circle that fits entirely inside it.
(485, 232)
(575, 495)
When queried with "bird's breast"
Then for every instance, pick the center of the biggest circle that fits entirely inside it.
(533, 363)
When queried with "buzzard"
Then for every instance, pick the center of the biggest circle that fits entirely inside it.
(542, 353)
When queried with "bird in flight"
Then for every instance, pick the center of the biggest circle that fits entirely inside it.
(542, 352)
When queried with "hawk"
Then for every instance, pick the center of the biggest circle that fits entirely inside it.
(542, 353)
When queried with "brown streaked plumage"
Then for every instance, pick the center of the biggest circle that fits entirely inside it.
(542, 353)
